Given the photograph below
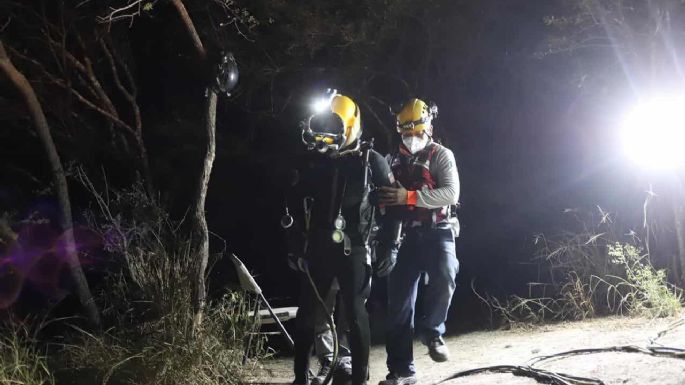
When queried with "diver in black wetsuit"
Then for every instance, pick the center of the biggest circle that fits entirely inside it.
(331, 223)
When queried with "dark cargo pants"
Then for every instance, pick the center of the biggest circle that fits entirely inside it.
(353, 273)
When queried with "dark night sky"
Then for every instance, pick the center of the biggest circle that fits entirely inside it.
(529, 141)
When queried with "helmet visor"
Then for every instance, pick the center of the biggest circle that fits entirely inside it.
(327, 127)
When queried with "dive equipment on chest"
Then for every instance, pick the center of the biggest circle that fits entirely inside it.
(345, 211)
(287, 220)
(339, 224)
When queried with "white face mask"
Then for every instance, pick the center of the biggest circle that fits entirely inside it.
(415, 143)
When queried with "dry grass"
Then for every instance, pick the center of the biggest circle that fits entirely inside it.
(591, 272)
(147, 303)
(21, 361)
(159, 353)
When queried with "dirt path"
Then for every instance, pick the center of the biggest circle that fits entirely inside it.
(515, 347)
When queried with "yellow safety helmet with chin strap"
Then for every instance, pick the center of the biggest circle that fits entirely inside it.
(336, 127)
(415, 117)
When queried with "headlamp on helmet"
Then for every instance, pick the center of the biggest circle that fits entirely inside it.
(324, 103)
(334, 125)
(416, 117)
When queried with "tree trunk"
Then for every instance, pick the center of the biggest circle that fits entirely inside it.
(60, 180)
(200, 232)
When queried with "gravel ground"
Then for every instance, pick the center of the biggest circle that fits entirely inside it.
(516, 347)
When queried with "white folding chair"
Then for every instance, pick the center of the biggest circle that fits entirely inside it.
(262, 316)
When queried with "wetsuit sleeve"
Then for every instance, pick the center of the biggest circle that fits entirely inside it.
(388, 238)
(444, 168)
(381, 175)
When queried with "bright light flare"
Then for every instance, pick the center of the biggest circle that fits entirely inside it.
(321, 104)
(654, 134)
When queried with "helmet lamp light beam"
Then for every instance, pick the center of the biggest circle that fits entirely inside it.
(323, 103)
(320, 105)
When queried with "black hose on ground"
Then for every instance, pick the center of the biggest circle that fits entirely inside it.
(544, 376)
(331, 323)
(657, 351)
(539, 375)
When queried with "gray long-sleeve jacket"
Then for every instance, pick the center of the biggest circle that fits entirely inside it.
(443, 168)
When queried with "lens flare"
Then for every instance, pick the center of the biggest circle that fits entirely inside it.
(11, 283)
(654, 134)
(38, 260)
(321, 105)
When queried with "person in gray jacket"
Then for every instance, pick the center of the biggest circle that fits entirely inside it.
(427, 190)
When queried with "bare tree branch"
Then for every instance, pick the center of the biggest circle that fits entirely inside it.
(66, 222)
(6, 24)
(127, 12)
(77, 73)
(63, 84)
(190, 27)
(129, 95)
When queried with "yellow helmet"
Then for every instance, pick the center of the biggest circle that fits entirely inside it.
(415, 117)
(335, 127)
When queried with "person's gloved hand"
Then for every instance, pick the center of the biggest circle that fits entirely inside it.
(386, 258)
(392, 196)
(297, 263)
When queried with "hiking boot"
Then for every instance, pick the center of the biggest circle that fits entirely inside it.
(326, 367)
(343, 374)
(395, 379)
(437, 350)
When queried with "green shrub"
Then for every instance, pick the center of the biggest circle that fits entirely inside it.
(645, 289)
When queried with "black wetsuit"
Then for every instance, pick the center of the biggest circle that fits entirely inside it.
(335, 185)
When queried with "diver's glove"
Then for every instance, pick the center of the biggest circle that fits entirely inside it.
(297, 263)
(386, 257)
